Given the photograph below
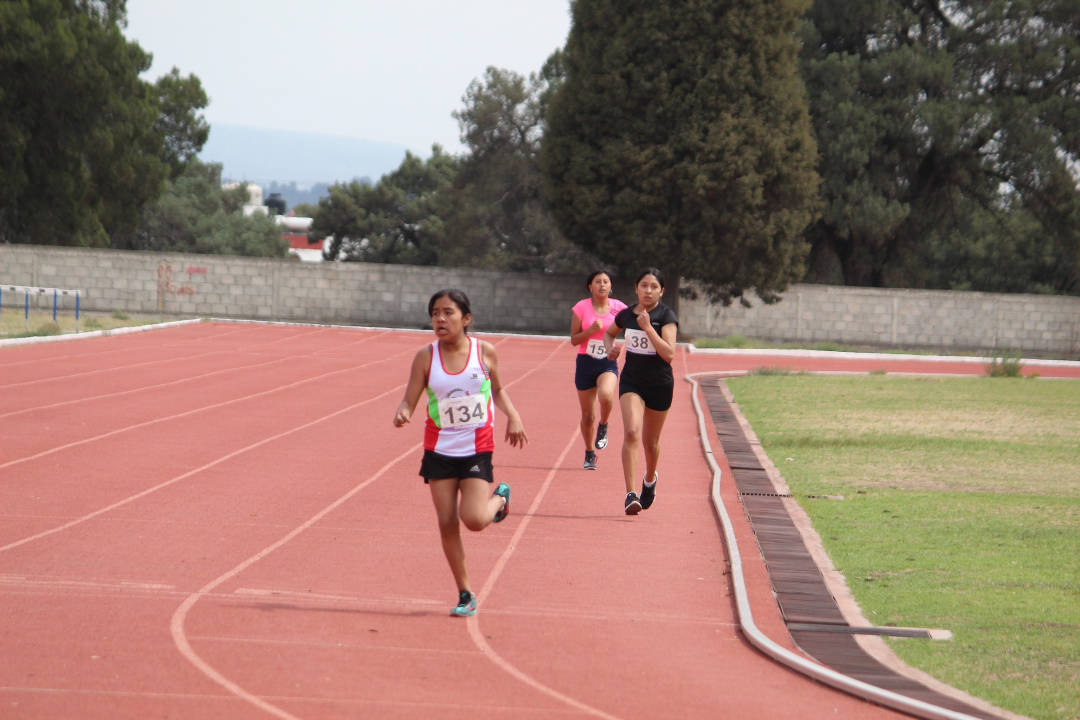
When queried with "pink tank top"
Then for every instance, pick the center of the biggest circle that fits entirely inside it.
(594, 346)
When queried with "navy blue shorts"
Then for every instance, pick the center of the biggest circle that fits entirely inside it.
(435, 466)
(589, 369)
(657, 396)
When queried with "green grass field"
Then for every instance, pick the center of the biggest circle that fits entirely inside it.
(14, 322)
(961, 510)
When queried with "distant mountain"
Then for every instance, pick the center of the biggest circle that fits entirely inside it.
(268, 156)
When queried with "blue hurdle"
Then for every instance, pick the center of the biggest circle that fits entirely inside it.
(28, 289)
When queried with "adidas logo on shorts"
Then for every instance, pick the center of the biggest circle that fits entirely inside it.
(474, 468)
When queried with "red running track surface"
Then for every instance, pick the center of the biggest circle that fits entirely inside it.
(218, 520)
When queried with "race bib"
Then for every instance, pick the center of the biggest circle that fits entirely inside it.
(596, 349)
(463, 412)
(637, 341)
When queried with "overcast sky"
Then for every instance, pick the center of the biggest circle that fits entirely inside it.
(385, 70)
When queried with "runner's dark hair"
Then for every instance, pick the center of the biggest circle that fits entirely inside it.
(458, 297)
(594, 273)
(651, 271)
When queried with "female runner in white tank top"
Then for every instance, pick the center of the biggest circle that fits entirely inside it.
(460, 377)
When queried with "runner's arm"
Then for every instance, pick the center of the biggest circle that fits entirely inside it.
(415, 387)
(609, 341)
(665, 341)
(515, 430)
(579, 335)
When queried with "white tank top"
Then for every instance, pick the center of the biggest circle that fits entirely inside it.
(461, 415)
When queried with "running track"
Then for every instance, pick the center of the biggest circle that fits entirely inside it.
(218, 520)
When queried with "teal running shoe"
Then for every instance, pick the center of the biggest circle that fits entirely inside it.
(503, 491)
(466, 605)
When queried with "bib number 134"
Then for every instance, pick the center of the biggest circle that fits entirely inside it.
(466, 411)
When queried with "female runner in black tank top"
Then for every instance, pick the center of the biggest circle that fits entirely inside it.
(646, 383)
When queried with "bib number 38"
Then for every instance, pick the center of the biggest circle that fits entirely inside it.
(463, 412)
(638, 342)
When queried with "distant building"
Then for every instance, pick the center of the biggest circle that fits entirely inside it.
(255, 197)
(295, 230)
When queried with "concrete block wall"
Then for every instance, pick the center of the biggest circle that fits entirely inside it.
(288, 290)
(397, 295)
(914, 319)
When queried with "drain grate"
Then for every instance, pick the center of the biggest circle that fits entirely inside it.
(754, 493)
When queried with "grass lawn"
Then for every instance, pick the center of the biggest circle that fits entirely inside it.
(14, 322)
(961, 510)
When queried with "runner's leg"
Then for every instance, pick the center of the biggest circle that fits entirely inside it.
(587, 400)
(633, 408)
(606, 386)
(478, 503)
(444, 494)
(652, 426)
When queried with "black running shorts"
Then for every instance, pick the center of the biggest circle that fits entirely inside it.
(657, 396)
(439, 467)
(589, 370)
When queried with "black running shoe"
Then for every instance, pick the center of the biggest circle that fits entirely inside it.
(648, 493)
(632, 506)
(601, 436)
(590, 460)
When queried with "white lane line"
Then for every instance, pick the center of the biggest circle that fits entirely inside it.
(191, 378)
(303, 597)
(27, 582)
(132, 498)
(366, 706)
(193, 411)
(141, 388)
(176, 626)
(114, 368)
(474, 622)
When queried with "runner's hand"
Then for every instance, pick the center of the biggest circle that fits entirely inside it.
(515, 433)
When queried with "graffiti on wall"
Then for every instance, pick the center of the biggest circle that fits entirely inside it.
(166, 286)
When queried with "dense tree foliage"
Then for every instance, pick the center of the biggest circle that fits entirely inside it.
(84, 142)
(493, 211)
(680, 137)
(195, 214)
(182, 129)
(946, 131)
(482, 209)
(392, 221)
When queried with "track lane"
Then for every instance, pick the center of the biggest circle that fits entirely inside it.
(349, 616)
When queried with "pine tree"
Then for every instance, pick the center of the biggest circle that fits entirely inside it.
(680, 137)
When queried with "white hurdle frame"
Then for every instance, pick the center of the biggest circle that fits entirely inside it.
(27, 290)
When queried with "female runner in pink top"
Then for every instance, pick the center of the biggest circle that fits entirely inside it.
(595, 376)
